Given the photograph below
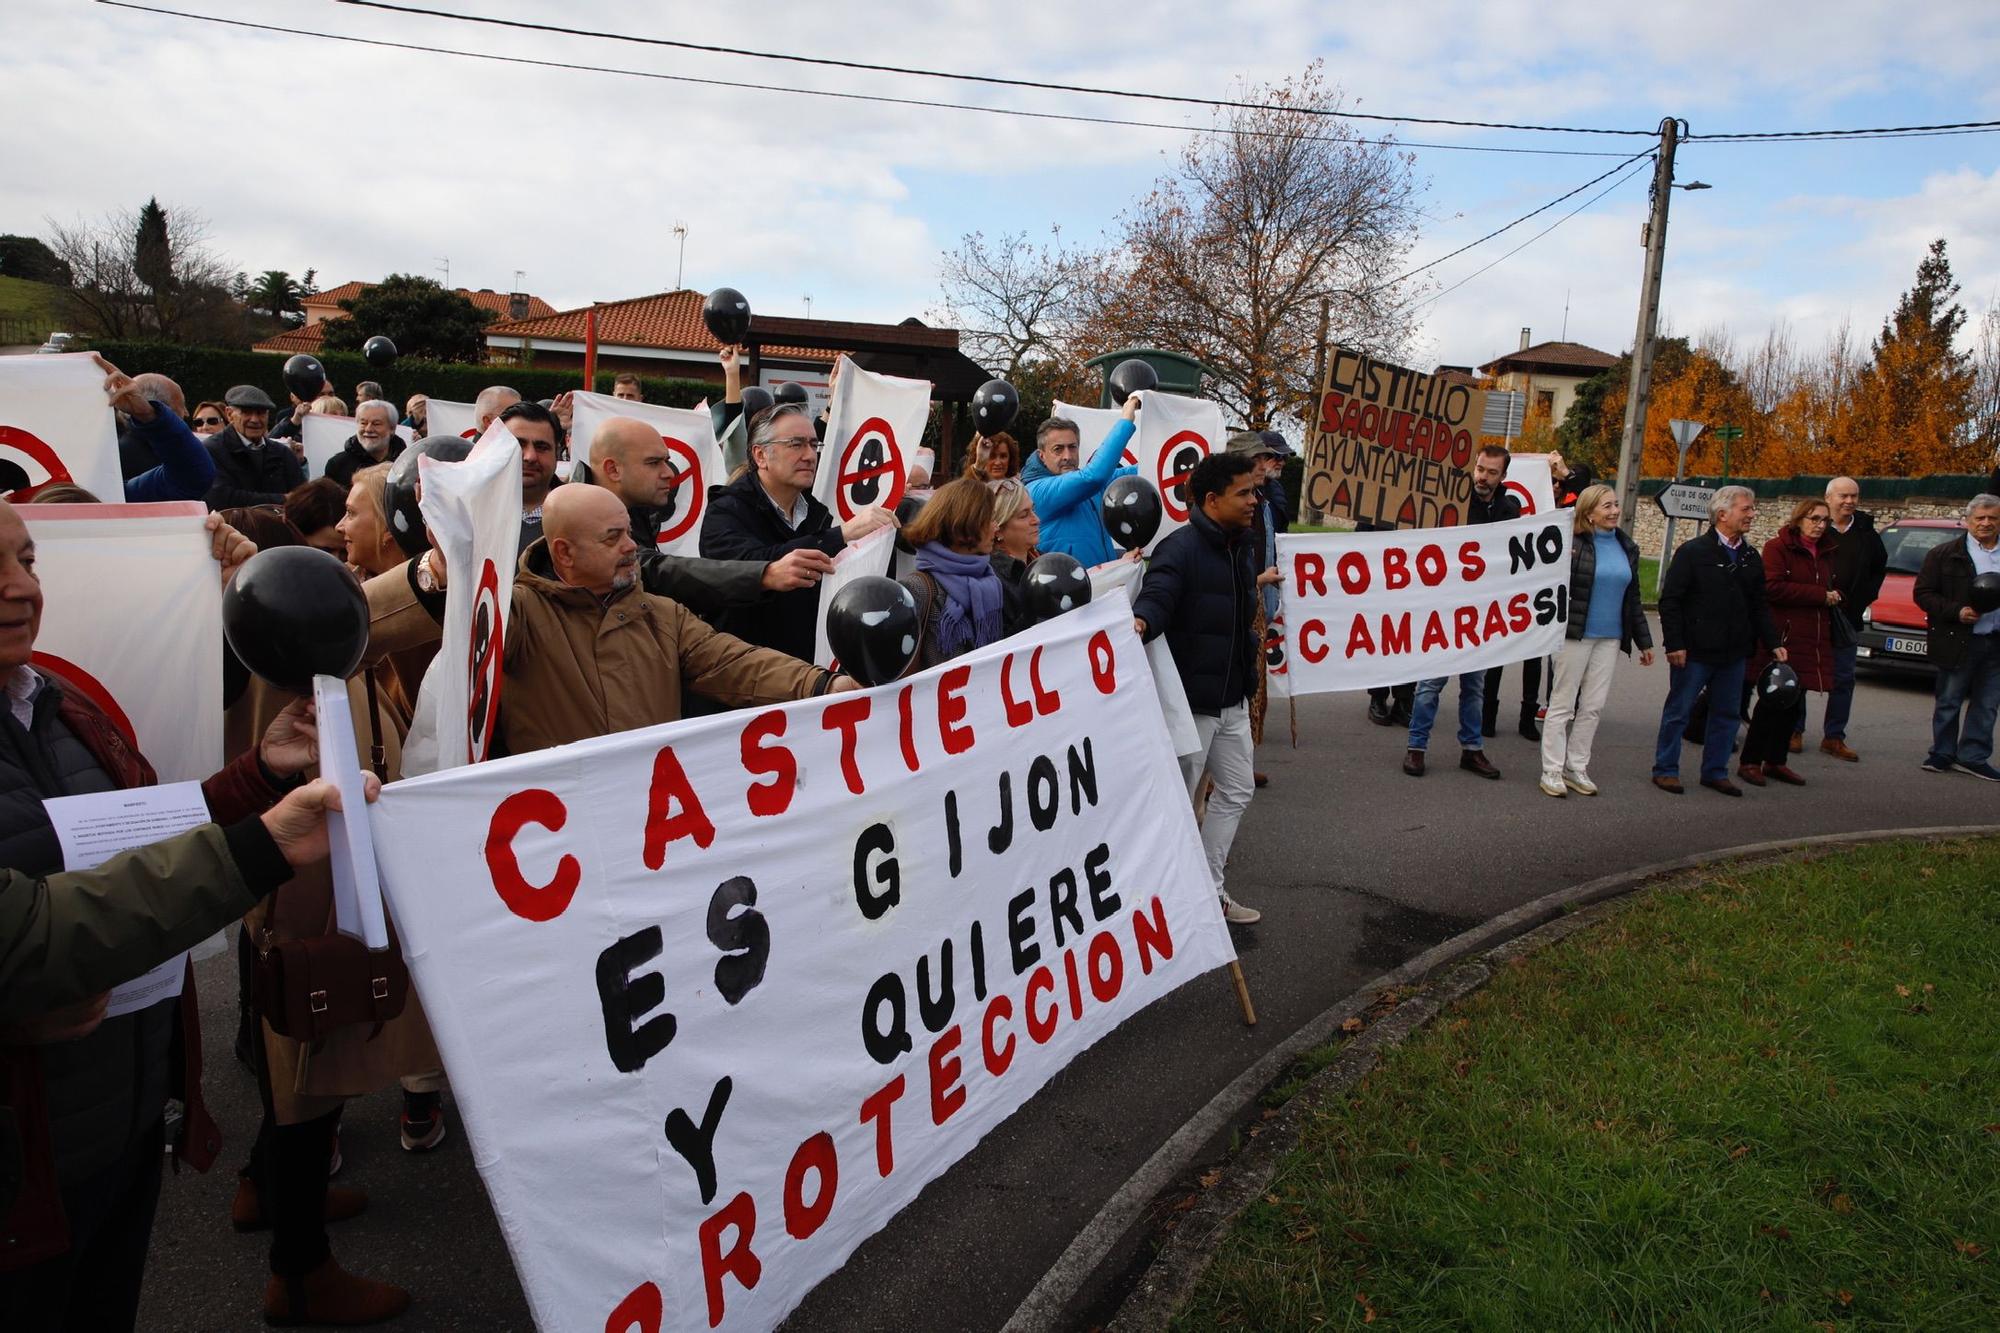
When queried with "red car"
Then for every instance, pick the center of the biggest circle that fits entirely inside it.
(1895, 636)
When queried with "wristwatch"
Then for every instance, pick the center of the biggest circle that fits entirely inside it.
(426, 580)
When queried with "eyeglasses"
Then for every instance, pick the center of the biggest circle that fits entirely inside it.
(208, 421)
(795, 441)
(1814, 518)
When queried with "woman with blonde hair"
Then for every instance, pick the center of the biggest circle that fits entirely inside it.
(1017, 532)
(1605, 619)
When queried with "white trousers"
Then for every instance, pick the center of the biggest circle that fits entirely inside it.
(1583, 681)
(1225, 755)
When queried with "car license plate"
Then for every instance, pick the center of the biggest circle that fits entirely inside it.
(1914, 647)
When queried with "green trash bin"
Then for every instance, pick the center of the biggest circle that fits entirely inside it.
(1178, 373)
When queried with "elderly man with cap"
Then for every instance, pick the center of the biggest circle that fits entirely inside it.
(250, 469)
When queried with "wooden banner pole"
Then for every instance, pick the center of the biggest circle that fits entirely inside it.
(1242, 994)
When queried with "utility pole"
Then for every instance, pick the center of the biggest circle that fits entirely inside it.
(1632, 443)
(444, 262)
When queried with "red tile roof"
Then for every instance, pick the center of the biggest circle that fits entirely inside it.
(668, 320)
(307, 338)
(485, 298)
(1573, 357)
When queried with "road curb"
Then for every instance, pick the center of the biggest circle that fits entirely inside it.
(1511, 934)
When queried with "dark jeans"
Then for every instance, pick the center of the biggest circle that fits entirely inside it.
(1974, 687)
(1839, 700)
(94, 1288)
(1724, 682)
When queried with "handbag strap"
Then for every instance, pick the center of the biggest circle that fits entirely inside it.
(378, 756)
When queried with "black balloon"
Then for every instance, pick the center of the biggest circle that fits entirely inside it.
(304, 376)
(294, 612)
(907, 510)
(871, 625)
(399, 490)
(791, 391)
(1131, 511)
(1055, 583)
(1985, 595)
(379, 351)
(1778, 686)
(1130, 377)
(994, 405)
(755, 399)
(727, 315)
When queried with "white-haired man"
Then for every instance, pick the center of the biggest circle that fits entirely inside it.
(1964, 643)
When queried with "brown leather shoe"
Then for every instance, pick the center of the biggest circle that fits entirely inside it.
(331, 1295)
(1260, 780)
(1751, 773)
(1413, 763)
(1836, 747)
(1798, 743)
(1475, 761)
(1783, 773)
(1670, 785)
(1723, 785)
(246, 1212)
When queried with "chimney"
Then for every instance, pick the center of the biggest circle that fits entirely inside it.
(1525, 335)
(517, 305)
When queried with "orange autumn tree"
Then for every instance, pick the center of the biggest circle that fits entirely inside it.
(1688, 382)
(1913, 408)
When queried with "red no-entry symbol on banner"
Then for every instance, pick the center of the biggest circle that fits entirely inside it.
(18, 480)
(1520, 492)
(483, 665)
(1177, 459)
(91, 688)
(689, 495)
(871, 469)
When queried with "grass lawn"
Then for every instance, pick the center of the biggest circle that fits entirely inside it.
(1760, 1101)
(1649, 579)
(32, 301)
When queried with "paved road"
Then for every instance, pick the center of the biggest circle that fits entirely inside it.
(1356, 868)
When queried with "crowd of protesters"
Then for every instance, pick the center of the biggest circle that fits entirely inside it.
(609, 633)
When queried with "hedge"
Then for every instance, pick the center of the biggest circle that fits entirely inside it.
(208, 372)
(1937, 486)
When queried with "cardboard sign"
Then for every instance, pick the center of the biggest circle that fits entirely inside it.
(689, 438)
(1391, 446)
(57, 426)
(718, 998)
(324, 437)
(872, 434)
(473, 509)
(112, 574)
(1361, 609)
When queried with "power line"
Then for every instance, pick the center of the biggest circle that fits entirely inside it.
(838, 96)
(1878, 132)
(991, 79)
(1438, 296)
(1648, 154)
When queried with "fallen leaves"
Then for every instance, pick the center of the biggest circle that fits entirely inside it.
(1352, 1026)
(1969, 1249)
(1739, 1152)
(1210, 1177)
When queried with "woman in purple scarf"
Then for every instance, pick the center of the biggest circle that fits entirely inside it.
(961, 602)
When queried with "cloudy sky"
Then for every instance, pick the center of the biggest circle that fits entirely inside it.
(358, 161)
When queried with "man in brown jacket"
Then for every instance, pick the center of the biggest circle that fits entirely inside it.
(588, 653)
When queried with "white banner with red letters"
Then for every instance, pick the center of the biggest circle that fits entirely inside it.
(718, 998)
(688, 438)
(325, 436)
(1361, 609)
(132, 620)
(473, 511)
(872, 434)
(1172, 434)
(56, 425)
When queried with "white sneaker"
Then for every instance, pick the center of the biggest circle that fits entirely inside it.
(1236, 914)
(1580, 783)
(1550, 787)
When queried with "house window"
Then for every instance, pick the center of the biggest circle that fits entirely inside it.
(1545, 402)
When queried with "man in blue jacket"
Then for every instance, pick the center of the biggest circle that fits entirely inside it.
(1201, 592)
(1067, 497)
(172, 462)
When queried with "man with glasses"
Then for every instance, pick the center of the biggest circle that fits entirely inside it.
(1965, 643)
(250, 468)
(767, 513)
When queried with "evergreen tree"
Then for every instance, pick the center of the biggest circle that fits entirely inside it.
(152, 252)
(1912, 406)
(422, 318)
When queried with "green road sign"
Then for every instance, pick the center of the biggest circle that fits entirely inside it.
(1727, 432)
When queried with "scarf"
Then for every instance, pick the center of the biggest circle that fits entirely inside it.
(970, 615)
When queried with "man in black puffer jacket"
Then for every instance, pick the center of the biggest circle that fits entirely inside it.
(1201, 592)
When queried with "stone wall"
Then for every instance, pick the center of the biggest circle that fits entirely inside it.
(1650, 528)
